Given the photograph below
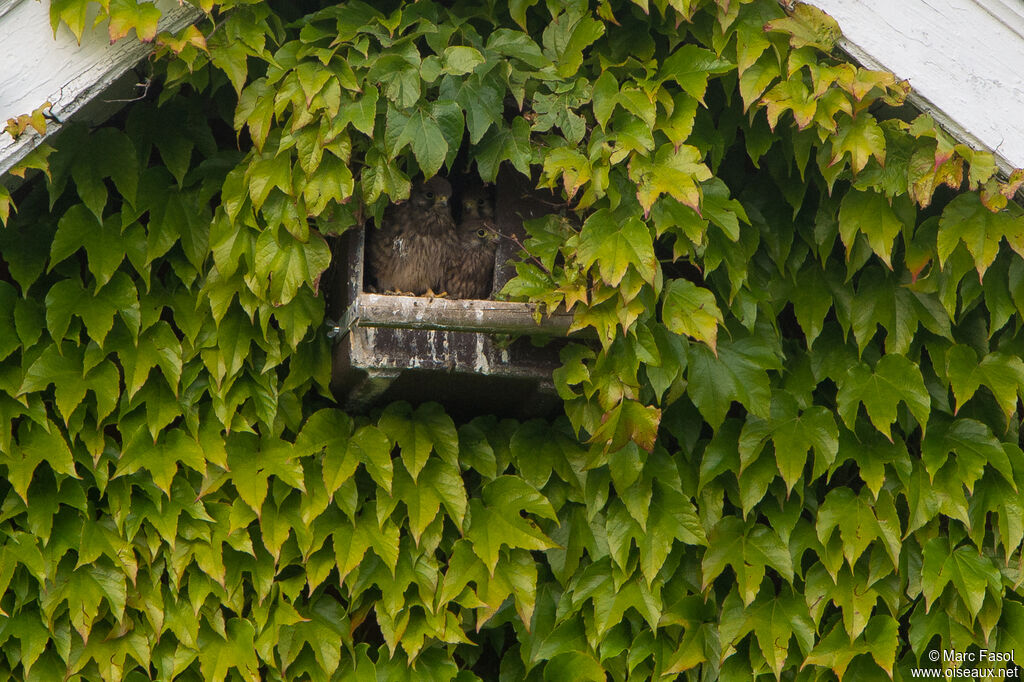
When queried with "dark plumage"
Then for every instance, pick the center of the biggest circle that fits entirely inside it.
(470, 270)
(475, 203)
(409, 252)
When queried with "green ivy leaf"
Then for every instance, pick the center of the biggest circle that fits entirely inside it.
(748, 550)
(974, 446)
(104, 243)
(1001, 373)
(738, 373)
(461, 60)
(218, 654)
(419, 432)
(97, 309)
(835, 651)
(615, 246)
(438, 482)
(969, 572)
(36, 444)
(693, 311)
(565, 39)
(690, 66)
(966, 219)
(497, 519)
(422, 132)
(794, 435)
(894, 379)
(855, 518)
(286, 264)
(501, 143)
(775, 622)
(870, 213)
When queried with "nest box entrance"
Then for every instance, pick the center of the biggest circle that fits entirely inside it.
(457, 352)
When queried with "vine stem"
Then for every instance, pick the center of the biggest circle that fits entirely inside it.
(515, 240)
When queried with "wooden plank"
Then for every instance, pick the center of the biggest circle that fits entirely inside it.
(36, 67)
(418, 312)
(964, 60)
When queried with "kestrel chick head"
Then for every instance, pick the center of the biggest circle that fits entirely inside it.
(434, 195)
(476, 204)
(478, 233)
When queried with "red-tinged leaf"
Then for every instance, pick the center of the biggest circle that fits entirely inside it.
(189, 36)
(570, 166)
(629, 421)
(126, 15)
(861, 138)
(673, 171)
(790, 95)
(808, 25)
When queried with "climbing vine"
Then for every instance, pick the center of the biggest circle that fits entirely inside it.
(791, 445)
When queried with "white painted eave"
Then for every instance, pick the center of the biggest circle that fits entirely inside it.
(964, 60)
(36, 67)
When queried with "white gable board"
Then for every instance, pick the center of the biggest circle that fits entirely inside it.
(35, 67)
(964, 60)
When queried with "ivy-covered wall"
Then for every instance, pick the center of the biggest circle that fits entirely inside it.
(793, 452)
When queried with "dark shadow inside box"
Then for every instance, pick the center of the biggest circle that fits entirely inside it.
(470, 355)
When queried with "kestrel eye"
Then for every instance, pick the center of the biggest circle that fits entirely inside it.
(481, 232)
(430, 195)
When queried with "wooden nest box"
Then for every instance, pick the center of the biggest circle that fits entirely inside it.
(473, 356)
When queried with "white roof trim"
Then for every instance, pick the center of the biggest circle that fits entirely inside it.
(35, 67)
(964, 60)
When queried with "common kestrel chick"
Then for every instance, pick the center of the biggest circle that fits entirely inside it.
(476, 203)
(470, 270)
(409, 251)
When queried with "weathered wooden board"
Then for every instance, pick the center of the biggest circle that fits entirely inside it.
(418, 312)
(964, 60)
(36, 67)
